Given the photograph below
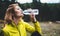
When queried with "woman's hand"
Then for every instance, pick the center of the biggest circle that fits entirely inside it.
(32, 17)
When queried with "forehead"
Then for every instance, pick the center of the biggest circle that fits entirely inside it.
(17, 7)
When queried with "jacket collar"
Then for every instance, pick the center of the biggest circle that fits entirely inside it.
(19, 23)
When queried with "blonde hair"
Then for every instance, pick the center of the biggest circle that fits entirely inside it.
(9, 11)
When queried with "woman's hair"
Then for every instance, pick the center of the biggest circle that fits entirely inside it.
(9, 12)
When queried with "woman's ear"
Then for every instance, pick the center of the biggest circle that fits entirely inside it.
(12, 14)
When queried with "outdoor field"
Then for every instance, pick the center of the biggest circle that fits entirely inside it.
(48, 28)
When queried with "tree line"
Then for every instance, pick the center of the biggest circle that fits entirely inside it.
(47, 12)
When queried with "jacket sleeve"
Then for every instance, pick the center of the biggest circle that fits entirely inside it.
(1, 33)
(35, 28)
(5, 32)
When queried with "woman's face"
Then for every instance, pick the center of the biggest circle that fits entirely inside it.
(18, 11)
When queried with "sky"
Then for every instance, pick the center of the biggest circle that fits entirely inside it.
(24, 1)
(43, 1)
(50, 1)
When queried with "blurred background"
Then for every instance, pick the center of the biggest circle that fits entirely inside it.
(49, 10)
(49, 14)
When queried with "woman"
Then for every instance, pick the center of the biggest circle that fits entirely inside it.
(15, 25)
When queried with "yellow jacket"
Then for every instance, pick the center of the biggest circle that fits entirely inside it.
(20, 29)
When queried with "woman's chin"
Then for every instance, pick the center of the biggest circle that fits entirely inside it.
(20, 16)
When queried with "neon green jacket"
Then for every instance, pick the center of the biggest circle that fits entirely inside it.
(20, 29)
